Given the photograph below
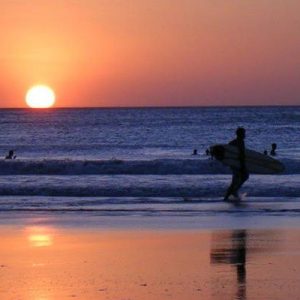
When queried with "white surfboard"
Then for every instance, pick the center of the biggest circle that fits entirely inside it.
(256, 162)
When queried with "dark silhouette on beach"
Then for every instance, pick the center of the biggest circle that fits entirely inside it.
(11, 155)
(236, 248)
(195, 152)
(235, 255)
(239, 175)
(273, 150)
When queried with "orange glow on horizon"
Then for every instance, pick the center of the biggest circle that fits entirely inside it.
(111, 53)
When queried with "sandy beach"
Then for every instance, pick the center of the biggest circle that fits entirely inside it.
(45, 262)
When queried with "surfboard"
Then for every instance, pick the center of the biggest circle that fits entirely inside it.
(256, 163)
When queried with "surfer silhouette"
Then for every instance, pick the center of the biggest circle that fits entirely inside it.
(273, 150)
(239, 175)
(11, 155)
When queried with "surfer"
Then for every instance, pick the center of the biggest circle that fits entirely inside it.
(10, 155)
(273, 150)
(239, 175)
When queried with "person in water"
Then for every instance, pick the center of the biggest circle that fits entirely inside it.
(10, 155)
(239, 175)
(273, 150)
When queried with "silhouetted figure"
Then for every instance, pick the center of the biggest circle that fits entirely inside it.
(273, 150)
(235, 255)
(11, 155)
(239, 175)
(207, 152)
(265, 152)
(195, 152)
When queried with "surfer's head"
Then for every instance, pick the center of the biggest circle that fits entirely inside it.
(241, 132)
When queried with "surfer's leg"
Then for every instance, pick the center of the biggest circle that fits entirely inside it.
(242, 179)
(236, 183)
(232, 190)
(228, 192)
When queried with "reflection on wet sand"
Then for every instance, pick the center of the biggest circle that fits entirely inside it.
(237, 247)
(234, 254)
(47, 263)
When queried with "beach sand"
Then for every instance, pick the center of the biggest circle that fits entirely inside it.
(55, 262)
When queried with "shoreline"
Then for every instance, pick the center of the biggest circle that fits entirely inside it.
(87, 220)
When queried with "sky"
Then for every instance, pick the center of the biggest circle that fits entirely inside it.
(99, 53)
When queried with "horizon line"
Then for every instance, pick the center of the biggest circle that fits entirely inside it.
(155, 106)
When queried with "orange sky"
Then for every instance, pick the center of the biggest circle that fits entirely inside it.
(149, 53)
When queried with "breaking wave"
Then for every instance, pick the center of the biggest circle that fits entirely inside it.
(125, 167)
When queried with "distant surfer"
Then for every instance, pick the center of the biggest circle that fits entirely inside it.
(239, 175)
(11, 155)
(273, 150)
(195, 152)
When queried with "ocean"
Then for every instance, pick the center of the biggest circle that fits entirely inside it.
(138, 162)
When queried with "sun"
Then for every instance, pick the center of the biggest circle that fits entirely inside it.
(40, 96)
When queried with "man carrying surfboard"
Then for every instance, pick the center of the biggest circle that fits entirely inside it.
(239, 174)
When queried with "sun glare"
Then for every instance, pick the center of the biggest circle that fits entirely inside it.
(39, 236)
(40, 96)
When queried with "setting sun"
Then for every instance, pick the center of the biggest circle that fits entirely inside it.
(40, 96)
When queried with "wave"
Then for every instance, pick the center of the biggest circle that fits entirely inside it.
(129, 167)
(132, 187)
(157, 206)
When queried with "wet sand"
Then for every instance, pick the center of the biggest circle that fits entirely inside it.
(52, 262)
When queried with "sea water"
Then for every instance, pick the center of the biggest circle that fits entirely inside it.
(138, 161)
